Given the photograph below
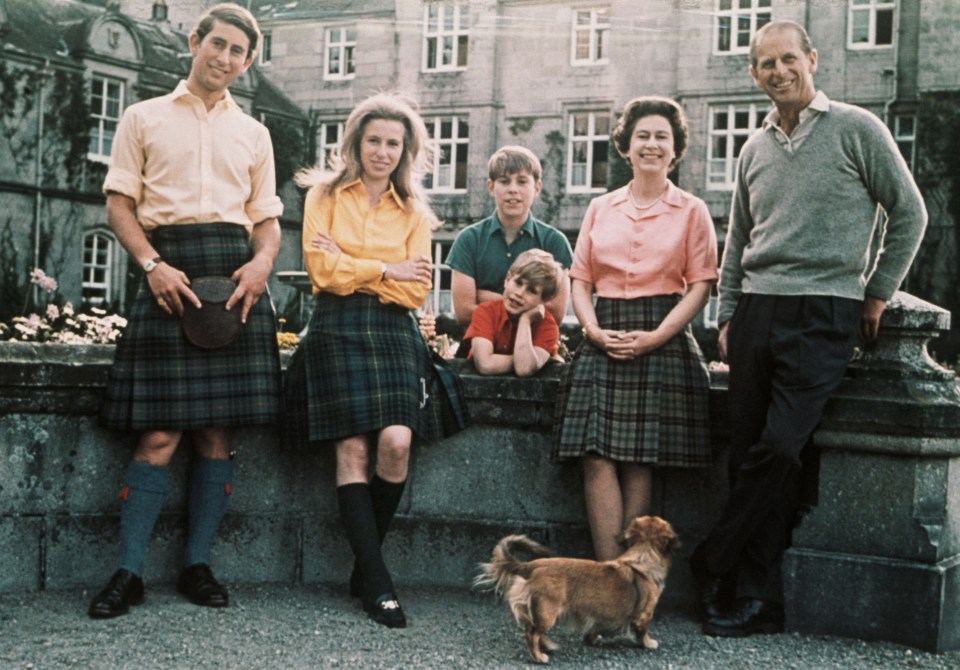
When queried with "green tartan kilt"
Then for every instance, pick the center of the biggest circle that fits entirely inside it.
(159, 381)
(363, 366)
(651, 410)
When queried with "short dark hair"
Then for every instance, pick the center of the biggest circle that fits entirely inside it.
(512, 159)
(538, 268)
(805, 42)
(652, 105)
(234, 15)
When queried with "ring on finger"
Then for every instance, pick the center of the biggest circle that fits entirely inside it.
(161, 302)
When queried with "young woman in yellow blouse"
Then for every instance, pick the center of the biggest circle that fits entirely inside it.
(361, 377)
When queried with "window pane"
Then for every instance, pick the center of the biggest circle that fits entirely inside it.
(884, 26)
(738, 142)
(349, 60)
(601, 44)
(583, 18)
(723, 33)
(432, 53)
(719, 147)
(462, 50)
(580, 124)
(334, 34)
(583, 45)
(860, 32)
(720, 120)
(725, 5)
(602, 125)
(741, 119)
(599, 165)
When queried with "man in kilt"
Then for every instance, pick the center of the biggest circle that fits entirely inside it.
(191, 192)
(825, 222)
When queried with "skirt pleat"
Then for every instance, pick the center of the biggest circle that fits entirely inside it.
(651, 410)
(160, 381)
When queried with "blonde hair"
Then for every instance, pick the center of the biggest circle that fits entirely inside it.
(346, 166)
(538, 268)
(512, 159)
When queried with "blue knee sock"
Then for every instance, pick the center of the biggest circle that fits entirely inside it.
(209, 491)
(143, 491)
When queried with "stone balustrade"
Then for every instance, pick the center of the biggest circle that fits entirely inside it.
(876, 557)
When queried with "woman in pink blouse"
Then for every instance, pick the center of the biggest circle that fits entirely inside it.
(636, 393)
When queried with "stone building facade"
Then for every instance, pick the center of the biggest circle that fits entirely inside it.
(67, 71)
(553, 74)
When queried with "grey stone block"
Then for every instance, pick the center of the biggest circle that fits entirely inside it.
(20, 540)
(874, 504)
(874, 598)
(495, 473)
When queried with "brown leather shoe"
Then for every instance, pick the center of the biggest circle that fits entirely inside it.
(199, 585)
(123, 590)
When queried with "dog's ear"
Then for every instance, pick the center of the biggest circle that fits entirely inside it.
(664, 538)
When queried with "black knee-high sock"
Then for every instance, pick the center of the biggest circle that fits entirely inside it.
(356, 511)
(386, 499)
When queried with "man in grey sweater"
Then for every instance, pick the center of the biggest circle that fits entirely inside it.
(825, 222)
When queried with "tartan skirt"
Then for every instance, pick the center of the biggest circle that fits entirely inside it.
(651, 410)
(160, 381)
(363, 366)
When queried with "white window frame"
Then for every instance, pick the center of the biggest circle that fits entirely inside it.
(590, 138)
(103, 124)
(906, 137)
(103, 260)
(265, 52)
(734, 13)
(870, 9)
(596, 31)
(342, 41)
(446, 27)
(721, 170)
(448, 153)
(326, 149)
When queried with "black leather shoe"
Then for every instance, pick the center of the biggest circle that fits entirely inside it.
(748, 616)
(123, 590)
(715, 591)
(199, 585)
(387, 612)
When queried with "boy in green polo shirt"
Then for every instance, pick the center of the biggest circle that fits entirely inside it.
(484, 251)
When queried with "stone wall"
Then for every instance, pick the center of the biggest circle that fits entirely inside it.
(877, 557)
(60, 473)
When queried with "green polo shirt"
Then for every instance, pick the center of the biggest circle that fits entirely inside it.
(481, 250)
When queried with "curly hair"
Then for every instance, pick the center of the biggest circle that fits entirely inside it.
(652, 105)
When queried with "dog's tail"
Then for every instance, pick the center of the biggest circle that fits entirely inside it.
(504, 566)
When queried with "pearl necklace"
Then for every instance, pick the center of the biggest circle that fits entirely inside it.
(650, 204)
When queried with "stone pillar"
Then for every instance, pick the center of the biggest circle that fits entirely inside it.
(878, 556)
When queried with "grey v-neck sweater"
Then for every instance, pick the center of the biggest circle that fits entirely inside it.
(806, 223)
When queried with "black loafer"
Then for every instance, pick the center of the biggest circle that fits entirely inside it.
(387, 612)
(123, 590)
(748, 616)
(199, 585)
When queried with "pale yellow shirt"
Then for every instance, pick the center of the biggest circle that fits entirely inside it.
(182, 164)
(367, 237)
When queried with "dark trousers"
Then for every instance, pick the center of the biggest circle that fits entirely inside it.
(787, 355)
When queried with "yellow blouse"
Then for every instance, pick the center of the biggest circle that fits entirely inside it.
(367, 236)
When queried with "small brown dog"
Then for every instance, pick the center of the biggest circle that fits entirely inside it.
(597, 598)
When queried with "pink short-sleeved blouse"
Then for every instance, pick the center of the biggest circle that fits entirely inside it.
(627, 253)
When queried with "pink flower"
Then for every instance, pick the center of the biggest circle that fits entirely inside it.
(53, 312)
(41, 279)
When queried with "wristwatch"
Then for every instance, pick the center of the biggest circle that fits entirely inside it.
(151, 264)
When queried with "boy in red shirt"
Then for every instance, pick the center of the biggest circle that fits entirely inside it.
(517, 334)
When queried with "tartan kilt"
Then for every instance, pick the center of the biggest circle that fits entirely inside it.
(159, 381)
(363, 366)
(651, 410)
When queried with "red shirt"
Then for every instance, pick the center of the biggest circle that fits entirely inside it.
(491, 322)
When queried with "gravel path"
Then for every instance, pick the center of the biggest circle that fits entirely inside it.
(291, 628)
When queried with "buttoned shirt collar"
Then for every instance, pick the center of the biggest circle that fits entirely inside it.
(391, 192)
(526, 228)
(182, 91)
(808, 115)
